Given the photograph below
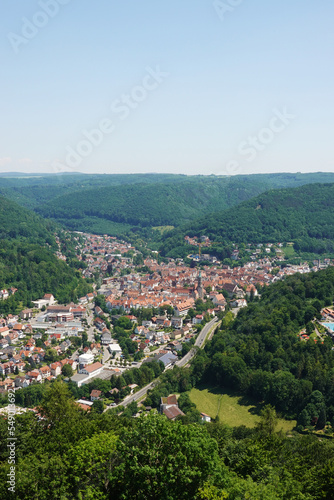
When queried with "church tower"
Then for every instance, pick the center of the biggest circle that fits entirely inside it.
(200, 285)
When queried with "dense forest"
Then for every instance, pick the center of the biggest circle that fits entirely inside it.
(32, 190)
(260, 353)
(17, 222)
(116, 204)
(28, 262)
(148, 205)
(302, 215)
(69, 453)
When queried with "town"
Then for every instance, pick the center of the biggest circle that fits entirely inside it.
(141, 309)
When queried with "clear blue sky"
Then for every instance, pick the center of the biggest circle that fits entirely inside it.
(226, 73)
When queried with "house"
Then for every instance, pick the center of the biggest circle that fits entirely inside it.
(95, 395)
(22, 382)
(149, 335)
(4, 294)
(177, 322)
(12, 338)
(4, 330)
(55, 369)
(99, 323)
(170, 407)
(238, 303)
(45, 371)
(3, 343)
(197, 319)
(34, 376)
(232, 289)
(49, 298)
(132, 318)
(6, 384)
(78, 312)
(251, 290)
(98, 311)
(182, 308)
(18, 328)
(84, 405)
(160, 320)
(40, 303)
(219, 300)
(176, 334)
(147, 324)
(141, 330)
(106, 338)
(205, 417)
(26, 314)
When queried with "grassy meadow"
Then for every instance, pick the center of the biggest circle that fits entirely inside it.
(232, 409)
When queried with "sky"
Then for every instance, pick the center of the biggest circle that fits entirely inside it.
(219, 87)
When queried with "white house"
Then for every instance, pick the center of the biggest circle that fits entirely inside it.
(86, 359)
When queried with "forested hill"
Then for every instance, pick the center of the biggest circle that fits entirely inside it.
(303, 215)
(34, 190)
(18, 222)
(28, 262)
(163, 203)
(152, 204)
(261, 354)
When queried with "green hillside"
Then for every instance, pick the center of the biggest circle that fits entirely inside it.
(261, 354)
(303, 215)
(28, 262)
(33, 190)
(18, 222)
(159, 204)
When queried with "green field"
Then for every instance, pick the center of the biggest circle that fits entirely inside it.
(232, 409)
(289, 251)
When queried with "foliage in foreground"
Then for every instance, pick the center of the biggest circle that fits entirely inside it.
(69, 454)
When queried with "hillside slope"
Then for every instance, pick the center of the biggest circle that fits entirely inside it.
(303, 215)
(161, 204)
(28, 262)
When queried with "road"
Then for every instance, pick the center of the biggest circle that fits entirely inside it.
(136, 396)
(199, 343)
(182, 362)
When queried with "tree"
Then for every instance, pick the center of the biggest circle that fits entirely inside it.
(90, 464)
(58, 406)
(67, 370)
(98, 406)
(321, 422)
(163, 459)
(304, 418)
(268, 421)
(51, 355)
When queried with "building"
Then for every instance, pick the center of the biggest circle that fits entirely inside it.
(86, 359)
(205, 417)
(95, 395)
(170, 407)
